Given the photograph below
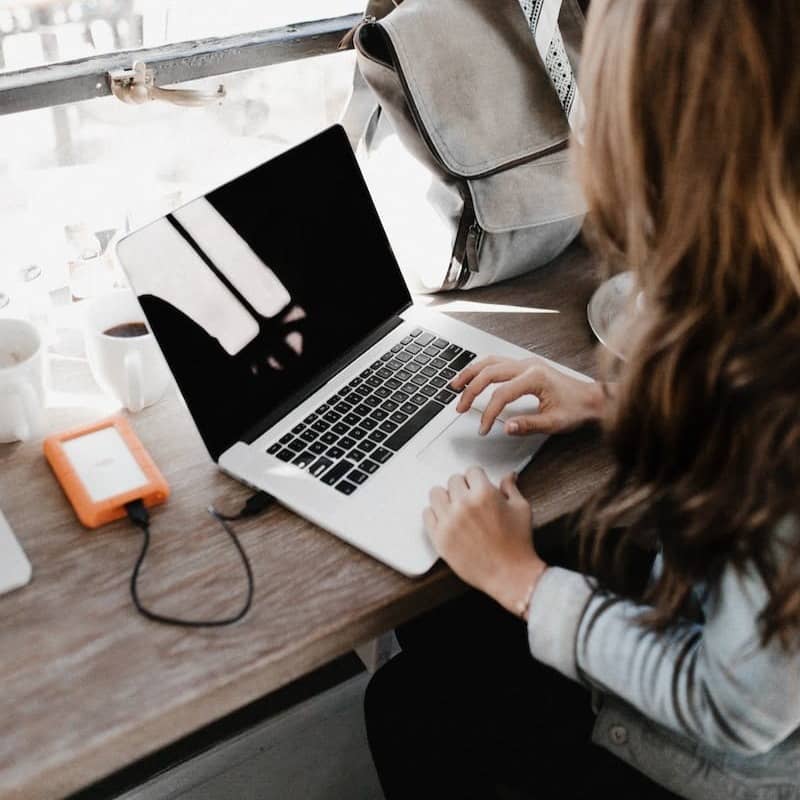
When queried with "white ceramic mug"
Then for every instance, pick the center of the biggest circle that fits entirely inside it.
(21, 381)
(130, 368)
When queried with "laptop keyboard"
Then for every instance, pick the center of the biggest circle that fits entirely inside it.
(357, 430)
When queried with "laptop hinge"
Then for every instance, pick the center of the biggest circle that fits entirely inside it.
(294, 400)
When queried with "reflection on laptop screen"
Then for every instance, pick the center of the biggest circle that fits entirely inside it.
(258, 287)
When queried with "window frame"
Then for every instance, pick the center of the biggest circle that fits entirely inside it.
(88, 78)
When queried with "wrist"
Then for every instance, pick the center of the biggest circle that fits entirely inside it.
(518, 585)
(595, 402)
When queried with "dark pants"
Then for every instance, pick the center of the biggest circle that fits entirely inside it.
(465, 712)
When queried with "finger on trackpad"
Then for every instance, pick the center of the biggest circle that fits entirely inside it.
(519, 408)
(459, 446)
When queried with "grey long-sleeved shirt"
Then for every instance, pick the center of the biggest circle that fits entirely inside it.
(704, 709)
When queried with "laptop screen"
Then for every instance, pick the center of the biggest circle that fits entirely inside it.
(256, 289)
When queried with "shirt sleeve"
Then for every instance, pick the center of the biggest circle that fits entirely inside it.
(713, 682)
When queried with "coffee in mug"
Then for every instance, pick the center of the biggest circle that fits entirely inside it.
(122, 352)
(128, 330)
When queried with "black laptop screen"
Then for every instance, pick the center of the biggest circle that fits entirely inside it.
(256, 289)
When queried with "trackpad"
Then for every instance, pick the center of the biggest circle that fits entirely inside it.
(459, 446)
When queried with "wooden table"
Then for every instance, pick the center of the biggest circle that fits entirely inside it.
(88, 686)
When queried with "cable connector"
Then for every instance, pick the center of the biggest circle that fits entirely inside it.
(138, 514)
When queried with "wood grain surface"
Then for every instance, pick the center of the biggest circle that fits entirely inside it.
(88, 686)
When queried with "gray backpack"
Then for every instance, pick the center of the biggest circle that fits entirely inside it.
(461, 85)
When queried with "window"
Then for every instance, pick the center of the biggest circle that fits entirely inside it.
(80, 168)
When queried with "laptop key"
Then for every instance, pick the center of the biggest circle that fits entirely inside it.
(382, 392)
(433, 352)
(352, 419)
(398, 417)
(318, 448)
(378, 436)
(400, 397)
(304, 459)
(382, 455)
(412, 366)
(428, 391)
(416, 332)
(374, 381)
(412, 348)
(448, 374)
(367, 446)
(322, 409)
(319, 426)
(286, 438)
(355, 382)
(310, 419)
(438, 382)
(357, 455)
(340, 428)
(368, 424)
(419, 399)
(286, 455)
(389, 405)
(372, 401)
(379, 414)
(409, 388)
(345, 487)
(425, 339)
(397, 348)
(393, 384)
(339, 471)
(414, 425)
(370, 466)
(428, 372)
(440, 343)
(462, 361)
(403, 375)
(384, 373)
(386, 357)
(445, 397)
(437, 363)
(319, 466)
(419, 380)
(357, 476)
(335, 452)
(329, 438)
(422, 359)
(407, 340)
(362, 410)
(308, 435)
(346, 442)
(298, 429)
(449, 353)
(358, 434)
(394, 365)
(365, 374)
(410, 408)
(387, 426)
(332, 416)
(403, 357)
(376, 365)
(353, 399)
(363, 390)
(342, 407)
(275, 448)
(298, 445)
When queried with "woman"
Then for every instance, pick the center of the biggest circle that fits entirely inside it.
(691, 170)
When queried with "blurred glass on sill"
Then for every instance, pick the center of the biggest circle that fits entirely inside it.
(77, 177)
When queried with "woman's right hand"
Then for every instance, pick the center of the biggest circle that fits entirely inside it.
(565, 403)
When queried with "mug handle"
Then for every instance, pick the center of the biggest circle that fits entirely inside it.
(26, 425)
(134, 379)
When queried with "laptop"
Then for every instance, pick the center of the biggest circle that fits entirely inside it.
(309, 372)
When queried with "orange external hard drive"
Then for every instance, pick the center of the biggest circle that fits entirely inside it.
(102, 467)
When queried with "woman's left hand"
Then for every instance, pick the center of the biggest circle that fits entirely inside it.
(484, 534)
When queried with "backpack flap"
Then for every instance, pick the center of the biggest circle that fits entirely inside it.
(480, 94)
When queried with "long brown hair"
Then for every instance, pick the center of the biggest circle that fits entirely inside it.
(691, 170)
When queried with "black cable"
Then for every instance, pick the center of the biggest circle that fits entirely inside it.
(140, 517)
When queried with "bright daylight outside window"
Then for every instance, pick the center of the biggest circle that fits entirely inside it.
(78, 175)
